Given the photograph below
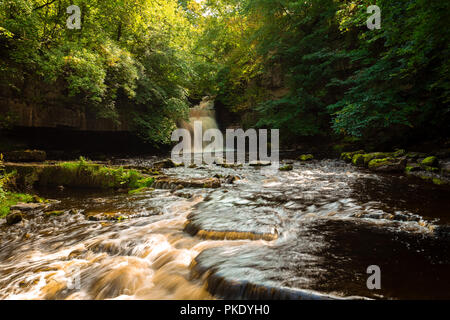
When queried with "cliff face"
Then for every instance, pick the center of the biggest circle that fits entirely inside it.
(37, 105)
(51, 116)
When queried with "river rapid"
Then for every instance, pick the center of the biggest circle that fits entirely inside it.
(307, 233)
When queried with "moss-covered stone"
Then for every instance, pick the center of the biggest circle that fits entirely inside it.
(439, 181)
(14, 218)
(431, 169)
(430, 162)
(358, 160)
(81, 174)
(348, 156)
(387, 165)
(399, 153)
(306, 157)
(412, 167)
(54, 213)
(376, 155)
(287, 167)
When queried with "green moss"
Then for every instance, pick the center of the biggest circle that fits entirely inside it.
(412, 168)
(287, 167)
(142, 185)
(10, 199)
(430, 169)
(380, 162)
(430, 162)
(55, 213)
(306, 157)
(348, 156)
(439, 182)
(399, 153)
(358, 160)
(374, 156)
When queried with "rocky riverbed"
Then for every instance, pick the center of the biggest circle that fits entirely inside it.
(307, 231)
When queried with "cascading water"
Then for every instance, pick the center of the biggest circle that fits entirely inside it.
(267, 235)
(204, 113)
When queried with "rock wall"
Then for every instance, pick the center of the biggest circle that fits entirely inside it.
(40, 105)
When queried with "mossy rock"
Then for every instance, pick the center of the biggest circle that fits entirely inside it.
(376, 155)
(399, 153)
(287, 167)
(387, 165)
(430, 162)
(348, 156)
(412, 167)
(306, 157)
(358, 160)
(54, 213)
(415, 155)
(439, 181)
(13, 218)
(430, 169)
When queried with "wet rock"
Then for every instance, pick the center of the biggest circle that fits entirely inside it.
(166, 164)
(260, 163)
(26, 156)
(54, 213)
(387, 165)
(348, 156)
(375, 156)
(174, 183)
(287, 167)
(13, 218)
(28, 206)
(229, 165)
(183, 195)
(231, 179)
(399, 153)
(358, 160)
(415, 155)
(108, 216)
(430, 162)
(412, 167)
(306, 157)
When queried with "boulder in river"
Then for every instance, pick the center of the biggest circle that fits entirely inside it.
(306, 157)
(175, 183)
(348, 156)
(387, 165)
(287, 167)
(260, 163)
(165, 164)
(13, 217)
(430, 162)
(28, 206)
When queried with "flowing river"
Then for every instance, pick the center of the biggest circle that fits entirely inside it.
(308, 233)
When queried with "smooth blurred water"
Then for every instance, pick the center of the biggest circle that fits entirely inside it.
(331, 221)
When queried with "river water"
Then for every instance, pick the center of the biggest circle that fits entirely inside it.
(308, 233)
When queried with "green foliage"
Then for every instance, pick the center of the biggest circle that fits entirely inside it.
(340, 77)
(91, 175)
(310, 68)
(130, 60)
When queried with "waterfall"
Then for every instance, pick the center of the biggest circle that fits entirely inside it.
(205, 113)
